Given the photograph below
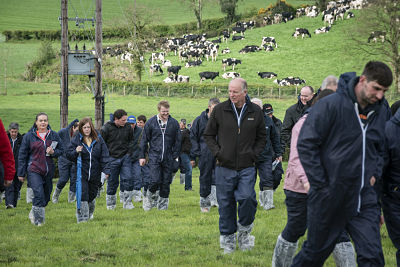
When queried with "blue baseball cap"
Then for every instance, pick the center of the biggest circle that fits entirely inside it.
(131, 119)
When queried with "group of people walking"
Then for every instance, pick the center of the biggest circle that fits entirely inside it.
(343, 166)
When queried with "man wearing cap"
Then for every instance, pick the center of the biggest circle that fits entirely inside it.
(277, 169)
(162, 139)
(137, 178)
(236, 135)
(184, 157)
(118, 136)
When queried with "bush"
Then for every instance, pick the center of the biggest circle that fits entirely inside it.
(37, 69)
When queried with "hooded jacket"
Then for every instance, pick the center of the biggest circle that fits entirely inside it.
(32, 153)
(196, 135)
(161, 144)
(292, 115)
(391, 177)
(119, 140)
(15, 147)
(65, 136)
(339, 150)
(95, 157)
(236, 142)
(272, 145)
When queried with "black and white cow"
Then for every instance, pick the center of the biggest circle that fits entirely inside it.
(225, 35)
(182, 79)
(235, 38)
(375, 35)
(166, 63)
(270, 41)
(267, 20)
(289, 81)
(286, 16)
(173, 70)
(249, 49)
(155, 68)
(301, 31)
(267, 75)
(240, 30)
(322, 30)
(230, 75)
(230, 62)
(127, 56)
(208, 75)
(225, 51)
(193, 63)
(268, 48)
(169, 80)
(350, 15)
(157, 56)
(277, 18)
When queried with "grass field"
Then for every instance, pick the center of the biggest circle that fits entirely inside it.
(43, 14)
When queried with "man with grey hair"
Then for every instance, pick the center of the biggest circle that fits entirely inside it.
(264, 161)
(12, 192)
(330, 82)
(208, 197)
(236, 134)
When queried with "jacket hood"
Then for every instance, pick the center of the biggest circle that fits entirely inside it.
(396, 118)
(72, 123)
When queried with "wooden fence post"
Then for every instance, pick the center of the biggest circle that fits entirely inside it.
(147, 90)
(192, 90)
(279, 92)
(258, 91)
(124, 90)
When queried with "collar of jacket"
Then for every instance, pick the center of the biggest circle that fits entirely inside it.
(249, 106)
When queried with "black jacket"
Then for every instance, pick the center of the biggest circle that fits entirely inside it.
(199, 147)
(391, 177)
(278, 127)
(15, 147)
(292, 115)
(137, 136)
(272, 145)
(185, 145)
(236, 147)
(119, 140)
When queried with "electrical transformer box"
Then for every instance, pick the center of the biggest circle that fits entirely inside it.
(81, 64)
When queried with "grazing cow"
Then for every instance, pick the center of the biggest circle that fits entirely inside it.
(267, 20)
(173, 70)
(249, 49)
(166, 63)
(267, 75)
(182, 79)
(235, 38)
(176, 41)
(375, 35)
(230, 75)
(289, 81)
(226, 35)
(193, 63)
(268, 47)
(286, 16)
(230, 62)
(300, 12)
(225, 51)
(157, 56)
(240, 30)
(322, 30)
(183, 55)
(169, 80)
(192, 37)
(155, 68)
(329, 19)
(302, 32)
(127, 56)
(193, 53)
(208, 75)
(173, 48)
(270, 41)
(277, 18)
(350, 15)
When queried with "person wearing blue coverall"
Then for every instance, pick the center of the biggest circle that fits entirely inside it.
(341, 149)
(391, 179)
(161, 136)
(66, 169)
(35, 159)
(264, 161)
(144, 170)
(137, 178)
(236, 135)
(206, 163)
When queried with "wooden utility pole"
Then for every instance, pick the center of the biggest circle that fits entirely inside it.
(98, 96)
(64, 65)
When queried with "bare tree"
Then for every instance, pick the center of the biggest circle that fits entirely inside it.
(377, 33)
(197, 7)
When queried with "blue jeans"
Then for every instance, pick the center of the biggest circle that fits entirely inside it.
(66, 170)
(233, 188)
(185, 160)
(42, 187)
(122, 168)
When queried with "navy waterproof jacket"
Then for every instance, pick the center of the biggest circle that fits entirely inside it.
(32, 153)
(272, 146)
(95, 159)
(199, 146)
(391, 177)
(65, 136)
(162, 145)
(338, 150)
(137, 135)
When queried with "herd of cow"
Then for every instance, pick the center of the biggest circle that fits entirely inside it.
(193, 49)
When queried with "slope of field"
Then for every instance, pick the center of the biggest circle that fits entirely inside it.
(43, 14)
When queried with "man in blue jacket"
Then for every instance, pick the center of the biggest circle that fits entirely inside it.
(341, 149)
(236, 135)
(206, 159)
(137, 178)
(66, 168)
(161, 135)
(391, 179)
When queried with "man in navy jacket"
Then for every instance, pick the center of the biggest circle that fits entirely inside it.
(341, 149)
(162, 136)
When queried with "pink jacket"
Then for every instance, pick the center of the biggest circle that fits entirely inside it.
(295, 176)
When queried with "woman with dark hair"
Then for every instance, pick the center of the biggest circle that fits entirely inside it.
(35, 159)
(89, 148)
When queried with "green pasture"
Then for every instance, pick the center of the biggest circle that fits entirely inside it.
(43, 14)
